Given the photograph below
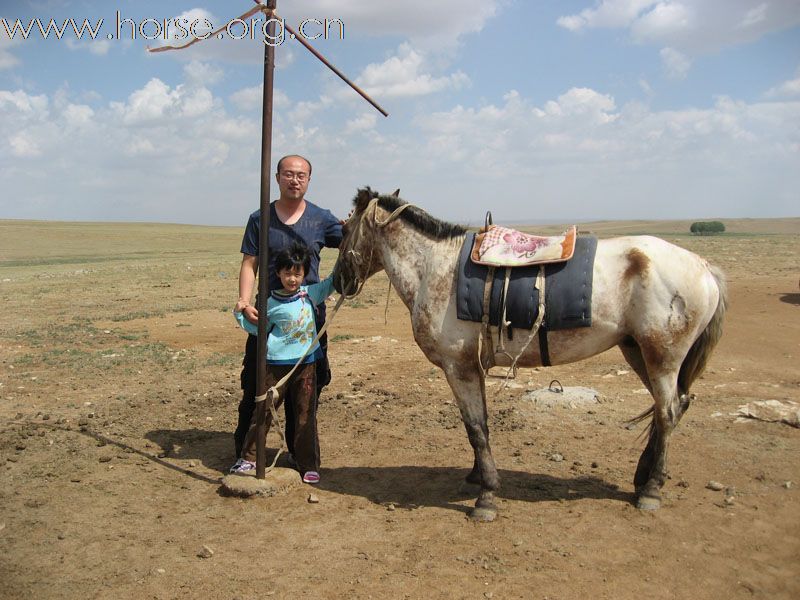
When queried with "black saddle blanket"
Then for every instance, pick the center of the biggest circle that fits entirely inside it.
(568, 290)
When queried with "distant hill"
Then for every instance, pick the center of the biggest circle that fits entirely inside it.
(784, 226)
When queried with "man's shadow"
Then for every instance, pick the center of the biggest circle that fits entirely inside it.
(214, 449)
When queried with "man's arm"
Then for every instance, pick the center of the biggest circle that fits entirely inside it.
(247, 280)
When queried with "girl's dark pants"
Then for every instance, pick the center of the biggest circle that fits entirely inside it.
(248, 379)
(302, 388)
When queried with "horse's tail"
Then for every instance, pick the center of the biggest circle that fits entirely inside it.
(695, 362)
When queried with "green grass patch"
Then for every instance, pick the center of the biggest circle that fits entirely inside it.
(341, 337)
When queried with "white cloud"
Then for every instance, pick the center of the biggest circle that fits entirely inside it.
(754, 16)
(78, 115)
(202, 73)
(427, 24)
(689, 26)
(676, 64)
(403, 76)
(582, 102)
(35, 106)
(790, 88)
(96, 47)
(608, 13)
(251, 98)
(156, 102)
(577, 155)
(24, 146)
(364, 122)
(7, 58)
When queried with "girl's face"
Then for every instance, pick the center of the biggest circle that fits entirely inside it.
(292, 279)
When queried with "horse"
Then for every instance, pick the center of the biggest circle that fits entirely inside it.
(662, 305)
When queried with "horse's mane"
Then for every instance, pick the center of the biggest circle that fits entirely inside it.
(418, 218)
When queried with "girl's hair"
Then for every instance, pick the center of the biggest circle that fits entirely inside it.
(296, 255)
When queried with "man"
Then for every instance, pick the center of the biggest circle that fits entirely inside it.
(292, 219)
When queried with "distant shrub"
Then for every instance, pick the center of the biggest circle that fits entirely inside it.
(707, 227)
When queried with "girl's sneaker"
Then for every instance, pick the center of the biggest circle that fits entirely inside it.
(311, 477)
(242, 466)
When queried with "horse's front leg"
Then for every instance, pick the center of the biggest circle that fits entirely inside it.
(467, 382)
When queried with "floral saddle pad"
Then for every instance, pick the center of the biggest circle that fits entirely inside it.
(497, 246)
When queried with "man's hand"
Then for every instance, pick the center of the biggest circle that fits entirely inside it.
(250, 313)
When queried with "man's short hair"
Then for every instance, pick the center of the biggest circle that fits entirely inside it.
(296, 255)
(308, 162)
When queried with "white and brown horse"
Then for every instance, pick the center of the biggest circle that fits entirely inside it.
(662, 305)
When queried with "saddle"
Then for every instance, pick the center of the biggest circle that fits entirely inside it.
(501, 282)
(503, 247)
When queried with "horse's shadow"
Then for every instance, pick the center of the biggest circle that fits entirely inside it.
(791, 298)
(414, 486)
(408, 486)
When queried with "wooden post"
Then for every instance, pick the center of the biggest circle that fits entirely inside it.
(263, 247)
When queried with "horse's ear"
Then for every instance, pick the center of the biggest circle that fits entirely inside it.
(396, 193)
(363, 198)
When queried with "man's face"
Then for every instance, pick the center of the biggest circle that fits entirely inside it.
(293, 178)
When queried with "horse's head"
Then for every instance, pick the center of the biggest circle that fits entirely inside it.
(358, 257)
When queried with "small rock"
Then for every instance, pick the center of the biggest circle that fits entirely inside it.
(788, 485)
(61, 536)
(518, 543)
(595, 465)
(715, 485)
(20, 447)
(105, 459)
(161, 571)
(390, 507)
(313, 499)
(191, 463)
(45, 417)
(83, 422)
(730, 491)
(205, 552)
(556, 457)
(683, 483)
(729, 501)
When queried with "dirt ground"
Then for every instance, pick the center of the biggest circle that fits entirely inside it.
(118, 395)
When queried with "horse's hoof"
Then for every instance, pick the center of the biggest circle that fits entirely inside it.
(469, 489)
(648, 503)
(483, 515)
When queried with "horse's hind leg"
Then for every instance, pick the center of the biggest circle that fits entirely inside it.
(675, 407)
(651, 473)
(468, 388)
(633, 355)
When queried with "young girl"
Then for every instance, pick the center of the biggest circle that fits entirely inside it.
(291, 329)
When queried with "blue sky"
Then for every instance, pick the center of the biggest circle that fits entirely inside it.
(540, 111)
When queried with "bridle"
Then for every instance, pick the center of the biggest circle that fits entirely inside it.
(363, 269)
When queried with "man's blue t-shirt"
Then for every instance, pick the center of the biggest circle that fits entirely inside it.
(317, 228)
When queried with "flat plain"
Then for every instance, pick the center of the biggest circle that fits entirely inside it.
(119, 382)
